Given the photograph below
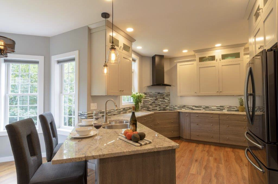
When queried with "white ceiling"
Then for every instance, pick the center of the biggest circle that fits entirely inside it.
(158, 24)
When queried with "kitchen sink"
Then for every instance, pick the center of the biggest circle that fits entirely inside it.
(117, 124)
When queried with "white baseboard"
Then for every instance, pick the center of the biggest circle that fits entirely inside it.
(11, 158)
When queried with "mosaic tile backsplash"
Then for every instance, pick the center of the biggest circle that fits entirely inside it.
(159, 101)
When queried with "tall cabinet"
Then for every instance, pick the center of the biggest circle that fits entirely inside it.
(118, 80)
(262, 20)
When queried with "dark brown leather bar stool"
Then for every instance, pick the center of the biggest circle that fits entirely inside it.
(26, 149)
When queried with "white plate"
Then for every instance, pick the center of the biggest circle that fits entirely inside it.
(75, 135)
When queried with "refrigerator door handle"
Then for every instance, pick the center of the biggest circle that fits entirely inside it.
(247, 95)
(246, 155)
(256, 144)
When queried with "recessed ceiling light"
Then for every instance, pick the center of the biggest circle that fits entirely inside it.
(139, 47)
(185, 51)
(165, 50)
(129, 29)
(218, 45)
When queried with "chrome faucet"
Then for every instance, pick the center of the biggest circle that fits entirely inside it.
(105, 112)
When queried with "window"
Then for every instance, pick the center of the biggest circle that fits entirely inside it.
(68, 94)
(127, 100)
(64, 94)
(21, 92)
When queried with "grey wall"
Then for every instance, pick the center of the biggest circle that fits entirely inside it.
(31, 45)
(77, 39)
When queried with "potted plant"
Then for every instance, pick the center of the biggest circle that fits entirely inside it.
(137, 99)
(241, 107)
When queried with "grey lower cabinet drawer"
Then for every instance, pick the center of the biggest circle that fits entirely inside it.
(232, 131)
(204, 136)
(205, 127)
(238, 140)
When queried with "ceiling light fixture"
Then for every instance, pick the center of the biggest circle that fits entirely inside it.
(165, 50)
(7, 45)
(185, 51)
(139, 47)
(129, 29)
(113, 56)
(105, 15)
(218, 45)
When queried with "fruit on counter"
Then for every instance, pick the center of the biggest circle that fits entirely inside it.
(127, 131)
(142, 135)
(135, 137)
(129, 135)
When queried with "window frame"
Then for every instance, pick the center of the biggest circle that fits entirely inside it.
(56, 95)
(137, 58)
(4, 82)
(62, 94)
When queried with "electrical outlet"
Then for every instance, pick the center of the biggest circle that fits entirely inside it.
(93, 106)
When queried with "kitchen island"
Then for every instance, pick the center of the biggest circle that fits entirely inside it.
(121, 162)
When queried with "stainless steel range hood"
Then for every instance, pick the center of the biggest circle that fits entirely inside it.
(158, 71)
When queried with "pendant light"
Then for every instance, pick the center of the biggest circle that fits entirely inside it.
(7, 45)
(105, 15)
(113, 56)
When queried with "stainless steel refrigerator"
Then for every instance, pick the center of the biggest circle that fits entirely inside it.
(261, 95)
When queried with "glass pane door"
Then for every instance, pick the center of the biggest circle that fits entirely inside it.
(235, 55)
(207, 58)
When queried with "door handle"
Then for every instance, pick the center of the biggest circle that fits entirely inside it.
(246, 155)
(246, 95)
(256, 144)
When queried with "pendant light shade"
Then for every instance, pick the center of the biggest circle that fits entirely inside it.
(105, 68)
(113, 57)
(7, 45)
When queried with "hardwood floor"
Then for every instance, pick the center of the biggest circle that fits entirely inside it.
(195, 164)
(202, 163)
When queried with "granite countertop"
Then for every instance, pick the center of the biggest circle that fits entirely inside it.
(74, 150)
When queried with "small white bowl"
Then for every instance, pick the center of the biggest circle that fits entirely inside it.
(82, 131)
(88, 121)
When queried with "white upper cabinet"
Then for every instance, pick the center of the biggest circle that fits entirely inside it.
(220, 72)
(125, 75)
(262, 25)
(207, 76)
(118, 80)
(186, 79)
(270, 23)
(231, 78)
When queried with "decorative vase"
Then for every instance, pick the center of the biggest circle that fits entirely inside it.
(137, 107)
(241, 109)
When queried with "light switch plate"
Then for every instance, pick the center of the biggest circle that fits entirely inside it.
(93, 106)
